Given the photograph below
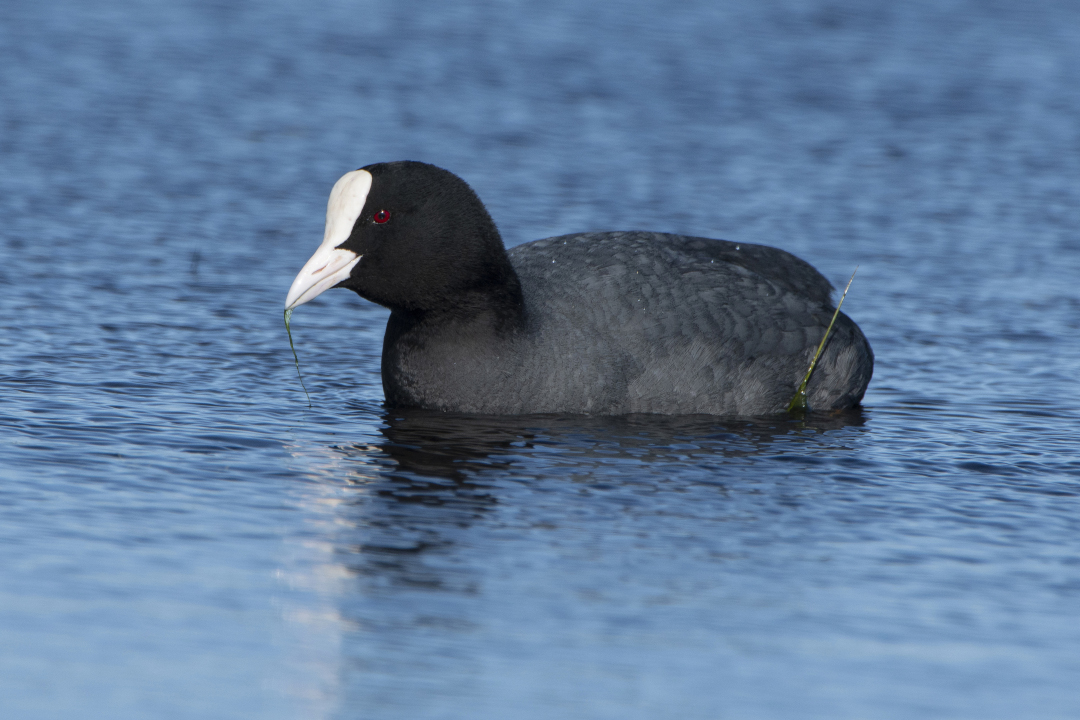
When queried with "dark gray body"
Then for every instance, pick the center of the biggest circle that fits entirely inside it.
(636, 322)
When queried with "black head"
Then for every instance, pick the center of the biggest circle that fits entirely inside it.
(425, 242)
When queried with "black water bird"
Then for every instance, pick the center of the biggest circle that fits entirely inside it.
(600, 323)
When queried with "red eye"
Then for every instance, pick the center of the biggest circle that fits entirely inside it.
(381, 216)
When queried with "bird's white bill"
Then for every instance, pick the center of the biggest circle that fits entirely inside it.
(326, 268)
(330, 264)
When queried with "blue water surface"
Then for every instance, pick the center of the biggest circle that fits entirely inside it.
(181, 536)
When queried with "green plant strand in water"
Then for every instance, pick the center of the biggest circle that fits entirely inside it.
(288, 315)
(798, 404)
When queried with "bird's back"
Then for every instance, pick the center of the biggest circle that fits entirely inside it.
(648, 322)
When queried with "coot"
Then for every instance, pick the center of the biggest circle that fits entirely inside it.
(599, 323)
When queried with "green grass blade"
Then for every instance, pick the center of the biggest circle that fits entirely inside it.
(288, 316)
(798, 404)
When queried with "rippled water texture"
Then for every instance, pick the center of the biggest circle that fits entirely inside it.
(182, 537)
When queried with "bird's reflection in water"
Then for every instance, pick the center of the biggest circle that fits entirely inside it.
(437, 474)
(437, 447)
